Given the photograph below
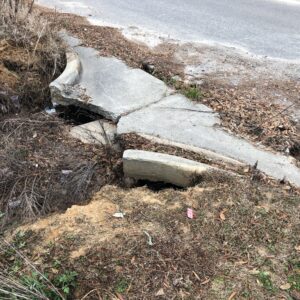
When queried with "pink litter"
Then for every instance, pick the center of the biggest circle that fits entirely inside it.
(190, 213)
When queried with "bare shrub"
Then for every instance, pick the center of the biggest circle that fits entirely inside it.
(43, 171)
(33, 53)
(76, 183)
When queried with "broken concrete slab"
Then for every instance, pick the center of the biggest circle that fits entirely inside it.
(70, 75)
(171, 119)
(160, 167)
(97, 132)
(108, 87)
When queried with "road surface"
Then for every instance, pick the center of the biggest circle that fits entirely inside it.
(262, 27)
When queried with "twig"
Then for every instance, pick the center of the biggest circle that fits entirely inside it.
(90, 292)
(279, 113)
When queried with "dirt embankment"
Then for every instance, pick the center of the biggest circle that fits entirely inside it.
(242, 243)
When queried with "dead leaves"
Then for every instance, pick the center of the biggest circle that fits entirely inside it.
(160, 292)
(285, 287)
(253, 113)
(222, 214)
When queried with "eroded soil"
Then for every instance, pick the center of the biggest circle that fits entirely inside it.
(243, 243)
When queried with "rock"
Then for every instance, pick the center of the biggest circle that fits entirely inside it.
(166, 168)
(96, 132)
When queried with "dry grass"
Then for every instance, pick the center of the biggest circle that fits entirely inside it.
(43, 170)
(12, 287)
(30, 57)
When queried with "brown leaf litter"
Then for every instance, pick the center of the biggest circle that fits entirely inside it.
(156, 247)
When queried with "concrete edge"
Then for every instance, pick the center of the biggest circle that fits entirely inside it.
(101, 132)
(70, 75)
(160, 167)
(209, 154)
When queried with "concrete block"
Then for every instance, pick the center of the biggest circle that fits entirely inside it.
(158, 167)
(97, 132)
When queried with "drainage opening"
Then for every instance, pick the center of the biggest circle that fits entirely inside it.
(157, 186)
(76, 115)
(295, 151)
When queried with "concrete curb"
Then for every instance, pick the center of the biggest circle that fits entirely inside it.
(69, 77)
(172, 169)
(213, 156)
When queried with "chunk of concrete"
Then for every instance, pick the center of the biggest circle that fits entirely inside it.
(97, 132)
(108, 87)
(195, 125)
(158, 167)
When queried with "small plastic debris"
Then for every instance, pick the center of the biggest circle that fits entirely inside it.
(150, 243)
(50, 111)
(15, 101)
(190, 213)
(119, 215)
(66, 172)
(14, 204)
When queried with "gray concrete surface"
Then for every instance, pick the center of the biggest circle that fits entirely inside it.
(263, 27)
(207, 154)
(160, 167)
(99, 132)
(108, 87)
(71, 74)
(174, 119)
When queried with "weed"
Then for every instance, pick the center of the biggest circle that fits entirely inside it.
(57, 263)
(66, 281)
(16, 267)
(122, 285)
(246, 294)
(34, 282)
(265, 279)
(19, 240)
(294, 280)
(193, 93)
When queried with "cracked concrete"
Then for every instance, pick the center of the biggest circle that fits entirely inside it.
(174, 120)
(108, 87)
(145, 105)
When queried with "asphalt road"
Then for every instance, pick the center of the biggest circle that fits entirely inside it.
(263, 27)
